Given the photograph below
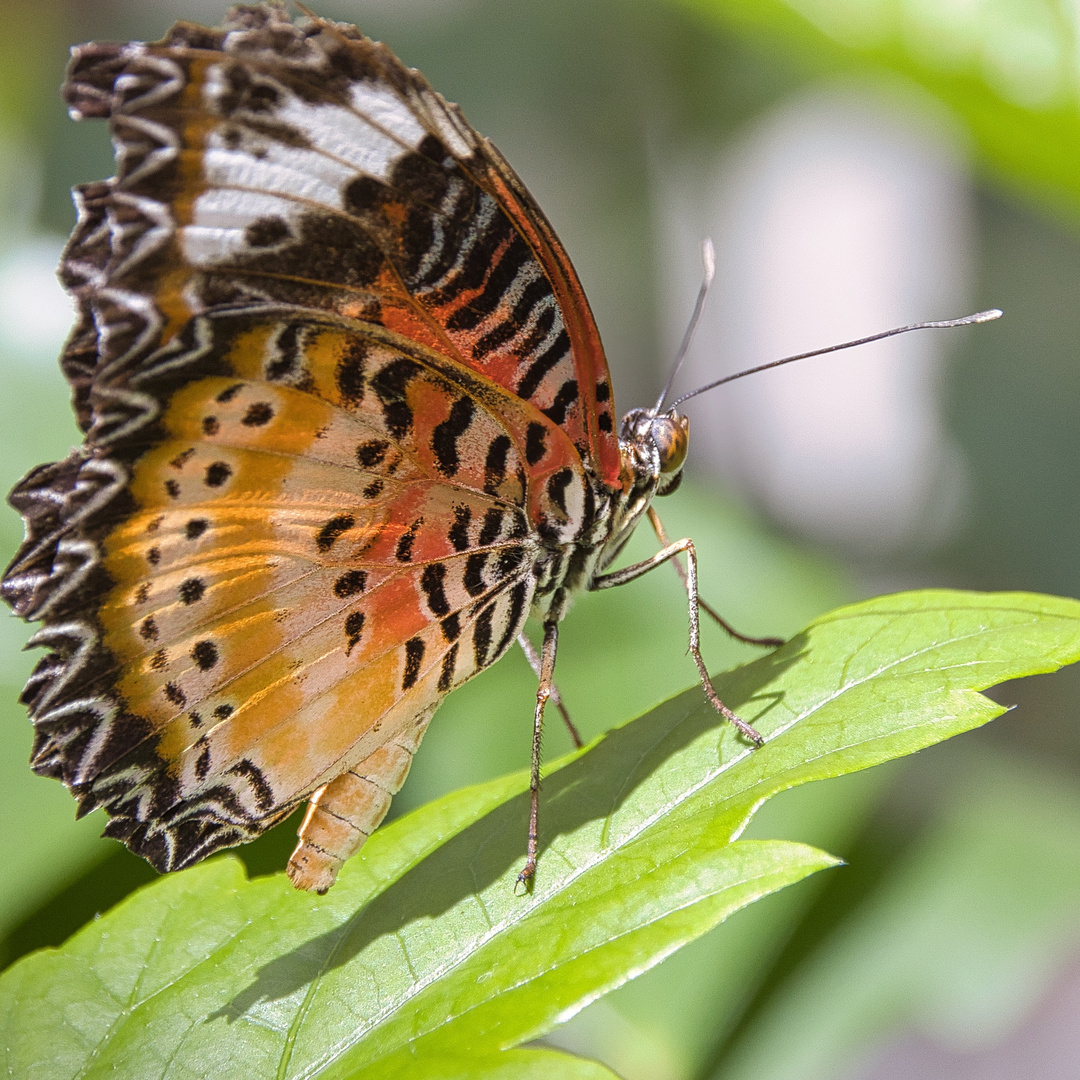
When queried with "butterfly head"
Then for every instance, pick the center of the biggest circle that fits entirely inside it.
(654, 447)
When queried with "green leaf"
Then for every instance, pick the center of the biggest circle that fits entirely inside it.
(1006, 68)
(506, 1065)
(422, 953)
(970, 927)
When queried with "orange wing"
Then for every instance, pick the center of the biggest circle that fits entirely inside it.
(338, 382)
(308, 550)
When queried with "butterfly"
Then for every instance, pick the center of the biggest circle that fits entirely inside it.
(348, 422)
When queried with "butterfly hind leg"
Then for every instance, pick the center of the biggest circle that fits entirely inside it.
(543, 692)
(533, 657)
(662, 536)
(633, 572)
(342, 814)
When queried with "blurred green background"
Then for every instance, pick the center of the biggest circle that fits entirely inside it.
(852, 159)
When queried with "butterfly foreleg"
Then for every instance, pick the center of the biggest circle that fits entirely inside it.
(764, 642)
(342, 814)
(533, 657)
(543, 692)
(633, 572)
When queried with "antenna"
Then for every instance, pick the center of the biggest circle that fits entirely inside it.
(967, 320)
(708, 259)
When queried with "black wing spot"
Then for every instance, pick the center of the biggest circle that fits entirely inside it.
(148, 630)
(229, 393)
(354, 627)
(371, 453)
(446, 434)
(153, 556)
(518, 597)
(332, 530)
(603, 390)
(414, 655)
(482, 635)
(264, 795)
(459, 531)
(403, 551)
(350, 583)
(543, 364)
(535, 442)
(349, 374)
(509, 560)
(603, 422)
(390, 385)
(211, 425)
(288, 354)
(202, 762)
(449, 664)
(489, 531)
(191, 590)
(557, 487)
(258, 414)
(174, 694)
(266, 232)
(364, 194)
(451, 627)
(217, 473)
(223, 712)
(195, 528)
(205, 654)
(142, 593)
(495, 463)
(431, 581)
(520, 528)
(375, 488)
(172, 489)
(195, 718)
(566, 397)
(474, 573)
(159, 661)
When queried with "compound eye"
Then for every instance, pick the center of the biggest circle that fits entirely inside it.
(671, 434)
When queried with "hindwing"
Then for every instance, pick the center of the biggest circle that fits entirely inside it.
(316, 537)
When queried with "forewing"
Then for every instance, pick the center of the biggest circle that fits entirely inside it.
(269, 162)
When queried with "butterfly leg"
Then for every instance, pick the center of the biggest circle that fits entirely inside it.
(764, 642)
(534, 662)
(543, 692)
(632, 573)
(342, 814)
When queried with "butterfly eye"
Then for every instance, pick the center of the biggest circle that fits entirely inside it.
(671, 434)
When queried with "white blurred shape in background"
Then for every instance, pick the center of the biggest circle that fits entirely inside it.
(840, 214)
(36, 313)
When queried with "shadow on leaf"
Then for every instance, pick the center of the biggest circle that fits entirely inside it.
(590, 787)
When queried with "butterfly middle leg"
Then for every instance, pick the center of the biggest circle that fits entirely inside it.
(633, 572)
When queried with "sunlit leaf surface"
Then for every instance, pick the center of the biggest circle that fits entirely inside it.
(423, 952)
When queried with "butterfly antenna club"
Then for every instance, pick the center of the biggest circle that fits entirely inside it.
(708, 259)
(944, 324)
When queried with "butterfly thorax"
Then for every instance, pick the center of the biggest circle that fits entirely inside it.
(652, 452)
